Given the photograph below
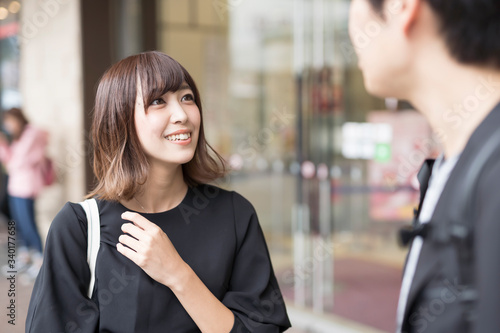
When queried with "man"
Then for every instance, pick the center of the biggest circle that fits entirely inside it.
(444, 57)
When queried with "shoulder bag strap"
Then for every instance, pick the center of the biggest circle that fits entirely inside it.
(93, 238)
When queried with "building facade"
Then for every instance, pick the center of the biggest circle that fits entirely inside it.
(330, 169)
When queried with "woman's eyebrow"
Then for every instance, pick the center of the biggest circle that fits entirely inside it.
(185, 87)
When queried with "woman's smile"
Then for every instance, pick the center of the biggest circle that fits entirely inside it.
(180, 137)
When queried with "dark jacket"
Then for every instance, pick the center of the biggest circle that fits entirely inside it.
(437, 298)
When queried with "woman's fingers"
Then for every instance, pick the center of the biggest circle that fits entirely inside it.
(130, 242)
(139, 220)
(133, 230)
(127, 252)
(141, 235)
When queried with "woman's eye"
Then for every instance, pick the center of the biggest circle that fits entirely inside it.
(158, 101)
(188, 97)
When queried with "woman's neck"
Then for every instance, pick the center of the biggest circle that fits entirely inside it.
(164, 189)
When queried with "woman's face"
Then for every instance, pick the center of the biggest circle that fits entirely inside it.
(13, 126)
(168, 129)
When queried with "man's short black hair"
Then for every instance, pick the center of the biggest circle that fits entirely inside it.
(471, 28)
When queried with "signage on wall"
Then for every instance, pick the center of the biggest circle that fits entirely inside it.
(392, 172)
(367, 141)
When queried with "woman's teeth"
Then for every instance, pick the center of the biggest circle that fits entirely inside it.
(179, 137)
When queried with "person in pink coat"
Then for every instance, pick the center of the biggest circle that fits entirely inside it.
(23, 159)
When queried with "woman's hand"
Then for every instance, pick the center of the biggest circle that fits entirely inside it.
(151, 249)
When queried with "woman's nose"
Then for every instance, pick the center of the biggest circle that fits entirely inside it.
(178, 115)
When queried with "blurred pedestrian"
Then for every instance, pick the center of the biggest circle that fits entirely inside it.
(4, 197)
(444, 57)
(176, 254)
(23, 158)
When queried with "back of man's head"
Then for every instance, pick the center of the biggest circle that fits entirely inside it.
(470, 28)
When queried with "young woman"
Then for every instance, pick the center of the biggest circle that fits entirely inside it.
(176, 255)
(23, 158)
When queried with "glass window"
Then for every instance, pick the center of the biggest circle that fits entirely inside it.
(318, 157)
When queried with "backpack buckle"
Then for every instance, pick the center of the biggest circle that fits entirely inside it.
(407, 234)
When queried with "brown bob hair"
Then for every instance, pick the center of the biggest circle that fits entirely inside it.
(120, 164)
(17, 114)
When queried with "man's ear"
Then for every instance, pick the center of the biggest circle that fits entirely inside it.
(410, 11)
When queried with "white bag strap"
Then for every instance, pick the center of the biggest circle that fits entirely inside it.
(93, 238)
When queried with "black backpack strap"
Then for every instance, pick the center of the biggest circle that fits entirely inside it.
(423, 176)
(461, 227)
(407, 234)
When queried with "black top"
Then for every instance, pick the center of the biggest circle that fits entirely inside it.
(215, 231)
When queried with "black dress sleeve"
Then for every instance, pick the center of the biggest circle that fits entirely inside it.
(253, 295)
(59, 301)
